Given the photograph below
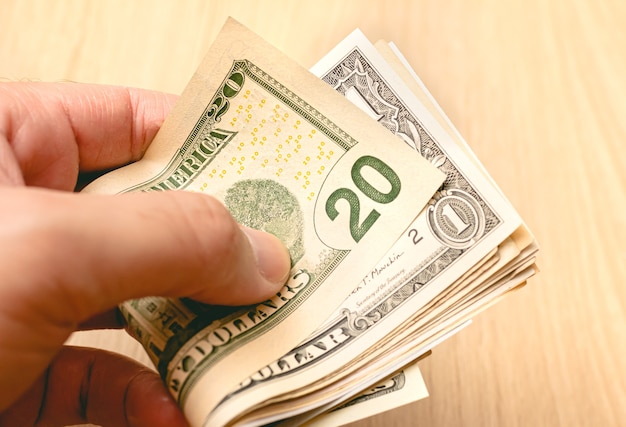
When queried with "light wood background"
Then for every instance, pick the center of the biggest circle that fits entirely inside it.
(537, 87)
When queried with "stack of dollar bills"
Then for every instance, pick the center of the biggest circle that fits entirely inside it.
(397, 234)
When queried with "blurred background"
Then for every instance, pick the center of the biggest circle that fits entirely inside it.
(536, 87)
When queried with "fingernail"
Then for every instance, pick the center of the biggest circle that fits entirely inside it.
(272, 257)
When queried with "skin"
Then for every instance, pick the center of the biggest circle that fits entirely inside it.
(68, 259)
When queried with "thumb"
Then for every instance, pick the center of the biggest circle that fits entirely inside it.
(66, 257)
(87, 253)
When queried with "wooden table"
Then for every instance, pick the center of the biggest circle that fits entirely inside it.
(537, 87)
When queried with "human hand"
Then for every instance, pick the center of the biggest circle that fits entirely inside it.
(67, 260)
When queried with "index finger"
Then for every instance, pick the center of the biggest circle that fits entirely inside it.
(55, 130)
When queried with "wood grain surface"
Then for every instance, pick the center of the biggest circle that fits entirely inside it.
(538, 89)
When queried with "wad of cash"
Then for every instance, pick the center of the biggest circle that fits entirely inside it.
(396, 232)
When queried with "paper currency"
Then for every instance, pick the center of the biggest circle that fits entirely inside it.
(376, 280)
(288, 155)
(403, 388)
(422, 273)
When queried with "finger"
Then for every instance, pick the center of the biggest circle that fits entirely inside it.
(52, 129)
(88, 253)
(98, 387)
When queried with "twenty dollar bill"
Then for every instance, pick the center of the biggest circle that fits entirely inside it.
(288, 155)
